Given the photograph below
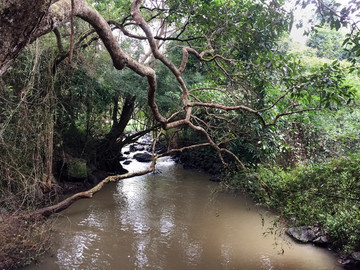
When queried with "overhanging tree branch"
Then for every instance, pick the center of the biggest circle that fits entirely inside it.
(62, 10)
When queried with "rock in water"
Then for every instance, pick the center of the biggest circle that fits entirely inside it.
(303, 234)
(356, 256)
(136, 147)
(76, 169)
(309, 234)
(143, 157)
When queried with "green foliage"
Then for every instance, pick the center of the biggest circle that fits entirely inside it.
(332, 133)
(326, 194)
(112, 9)
(235, 25)
(245, 31)
(168, 92)
(338, 16)
(328, 44)
(319, 135)
(86, 98)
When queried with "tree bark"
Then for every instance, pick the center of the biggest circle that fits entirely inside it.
(109, 149)
(119, 126)
(18, 21)
(22, 22)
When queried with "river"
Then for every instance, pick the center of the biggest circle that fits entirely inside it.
(174, 219)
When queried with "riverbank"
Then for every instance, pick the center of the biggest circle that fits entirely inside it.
(319, 202)
(23, 237)
(22, 240)
(204, 159)
(324, 196)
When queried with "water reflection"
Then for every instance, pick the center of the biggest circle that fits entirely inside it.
(172, 221)
(266, 262)
(92, 221)
(74, 254)
(167, 224)
(225, 255)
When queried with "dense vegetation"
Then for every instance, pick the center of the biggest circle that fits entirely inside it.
(279, 119)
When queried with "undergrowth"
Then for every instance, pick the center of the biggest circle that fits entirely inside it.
(22, 240)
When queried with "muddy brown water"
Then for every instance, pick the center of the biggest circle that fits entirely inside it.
(173, 220)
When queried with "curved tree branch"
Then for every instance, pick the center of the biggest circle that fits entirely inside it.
(62, 10)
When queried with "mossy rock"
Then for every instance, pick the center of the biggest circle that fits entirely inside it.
(77, 169)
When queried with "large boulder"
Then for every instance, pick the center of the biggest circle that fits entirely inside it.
(76, 169)
(350, 261)
(303, 234)
(136, 147)
(127, 162)
(143, 157)
(308, 234)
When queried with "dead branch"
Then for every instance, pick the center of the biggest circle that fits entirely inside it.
(47, 211)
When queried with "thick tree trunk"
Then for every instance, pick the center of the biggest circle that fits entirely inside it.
(22, 22)
(18, 21)
(119, 126)
(109, 150)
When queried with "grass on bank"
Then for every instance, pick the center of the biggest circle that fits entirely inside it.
(326, 194)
